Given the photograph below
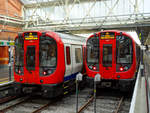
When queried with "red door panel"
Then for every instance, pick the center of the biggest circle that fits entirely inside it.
(31, 60)
(107, 57)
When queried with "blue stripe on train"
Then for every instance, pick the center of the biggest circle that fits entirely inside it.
(69, 77)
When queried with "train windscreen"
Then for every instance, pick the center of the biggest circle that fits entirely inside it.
(47, 55)
(124, 51)
(19, 55)
(93, 53)
(19, 52)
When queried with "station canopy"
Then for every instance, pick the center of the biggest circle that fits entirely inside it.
(34, 1)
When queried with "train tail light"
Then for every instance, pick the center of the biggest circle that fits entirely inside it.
(94, 67)
(19, 71)
(44, 73)
(121, 69)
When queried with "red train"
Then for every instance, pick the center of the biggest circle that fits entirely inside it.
(115, 56)
(47, 61)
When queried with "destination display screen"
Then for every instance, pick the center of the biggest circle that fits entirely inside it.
(31, 36)
(107, 35)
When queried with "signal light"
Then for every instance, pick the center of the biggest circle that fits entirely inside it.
(121, 69)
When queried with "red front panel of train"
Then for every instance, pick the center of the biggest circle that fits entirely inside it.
(31, 58)
(112, 55)
(36, 58)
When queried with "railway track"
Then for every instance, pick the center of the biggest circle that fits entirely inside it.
(90, 101)
(13, 105)
(106, 103)
(30, 101)
(6, 99)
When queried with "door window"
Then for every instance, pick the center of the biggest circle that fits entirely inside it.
(107, 55)
(30, 58)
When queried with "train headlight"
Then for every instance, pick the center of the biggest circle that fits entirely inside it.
(90, 67)
(50, 71)
(126, 68)
(93, 67)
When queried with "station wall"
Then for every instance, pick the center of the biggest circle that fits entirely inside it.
(10, 8)
(4, 56)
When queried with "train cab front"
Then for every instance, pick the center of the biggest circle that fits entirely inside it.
(36, 65)
(112, 55)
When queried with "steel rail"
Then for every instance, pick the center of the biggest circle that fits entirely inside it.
(86, 104)
(118, 107)
(14, 105)
(6, 99)
(46, 105)
(43, 107)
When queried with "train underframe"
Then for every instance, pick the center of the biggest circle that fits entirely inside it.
(122, 84)
(47, 90)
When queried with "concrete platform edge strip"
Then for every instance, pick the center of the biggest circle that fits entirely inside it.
(132, 106)
(7, 83)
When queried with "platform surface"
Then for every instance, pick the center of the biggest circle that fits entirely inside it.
(4, 73)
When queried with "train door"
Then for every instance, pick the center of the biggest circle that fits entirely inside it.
(31, 60)
(77, 59)
(68, 60)
(107, 64)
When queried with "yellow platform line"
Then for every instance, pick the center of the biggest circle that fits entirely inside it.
(4, 82)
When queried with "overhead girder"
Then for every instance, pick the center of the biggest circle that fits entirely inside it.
(131, 21)
(89, 27)
(6, 20)
(111, 21)
(57, 2)
(66, 20)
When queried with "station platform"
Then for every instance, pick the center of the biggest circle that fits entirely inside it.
(139, 98)
(4, 74)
